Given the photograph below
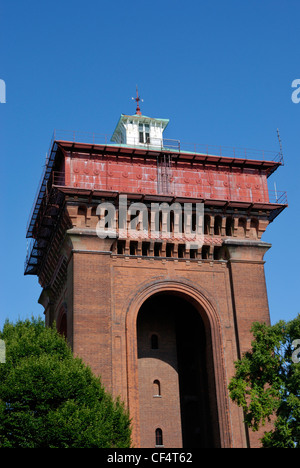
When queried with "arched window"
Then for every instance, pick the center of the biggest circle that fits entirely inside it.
(229, 226)
(207, 224)
(218, 226)
(156, 388)
(254, 228)
(154, 342)
(242, 227)
(158, 438)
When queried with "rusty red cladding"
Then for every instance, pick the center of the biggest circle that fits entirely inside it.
(124, 174)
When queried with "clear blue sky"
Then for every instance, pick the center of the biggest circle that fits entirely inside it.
(221, 71)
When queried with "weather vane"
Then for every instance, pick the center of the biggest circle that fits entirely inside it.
(137, 99)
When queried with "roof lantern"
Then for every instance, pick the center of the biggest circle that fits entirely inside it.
(139, 130)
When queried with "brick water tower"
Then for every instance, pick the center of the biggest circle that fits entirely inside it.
(159, 319)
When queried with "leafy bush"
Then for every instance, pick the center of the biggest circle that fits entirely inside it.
(50, 399)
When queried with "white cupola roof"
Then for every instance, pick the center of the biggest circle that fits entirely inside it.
(139, 130)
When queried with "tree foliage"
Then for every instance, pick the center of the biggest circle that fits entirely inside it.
(266, 383)
(50, 399)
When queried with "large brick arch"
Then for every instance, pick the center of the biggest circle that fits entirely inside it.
(206, 307)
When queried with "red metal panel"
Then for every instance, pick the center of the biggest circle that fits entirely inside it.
(182, 179)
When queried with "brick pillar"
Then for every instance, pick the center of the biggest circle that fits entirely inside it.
(249, 296)
(91, 311)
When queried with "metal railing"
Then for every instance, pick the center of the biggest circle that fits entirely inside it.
(278, 197)
(171, 144)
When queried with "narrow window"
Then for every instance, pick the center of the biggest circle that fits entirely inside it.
(144, 133)
(229, 226)
(206, 224)
(158, 438)
(205, 252)
(242, 227)
(141, 133)
(147, 133)
(156, 388)
(133, 247)
(157, 249)
(169, 249)
(154, 342)
(181, 250)
(193, 253)
(218, 226)
(121, 247)
(145, 249)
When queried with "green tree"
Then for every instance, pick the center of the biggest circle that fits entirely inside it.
(50, 399)
(266, 383)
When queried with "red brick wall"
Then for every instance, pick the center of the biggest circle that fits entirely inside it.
(92, 314)
(160, 364)
(103, 287)
(103, 292)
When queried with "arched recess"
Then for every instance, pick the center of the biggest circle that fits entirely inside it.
(205, 306)
(62, 322)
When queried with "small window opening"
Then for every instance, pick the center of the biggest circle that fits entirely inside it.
(217, 253)
(133, 247)
(121, 247)
(156, 388)
(157, 249)
(205, 252)
(218, 226)
(144, 133)
(193, 253)
(169, 249)
(207, 225)
(181, 250)
(229, 226)
(145, 249)
(158, 438)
